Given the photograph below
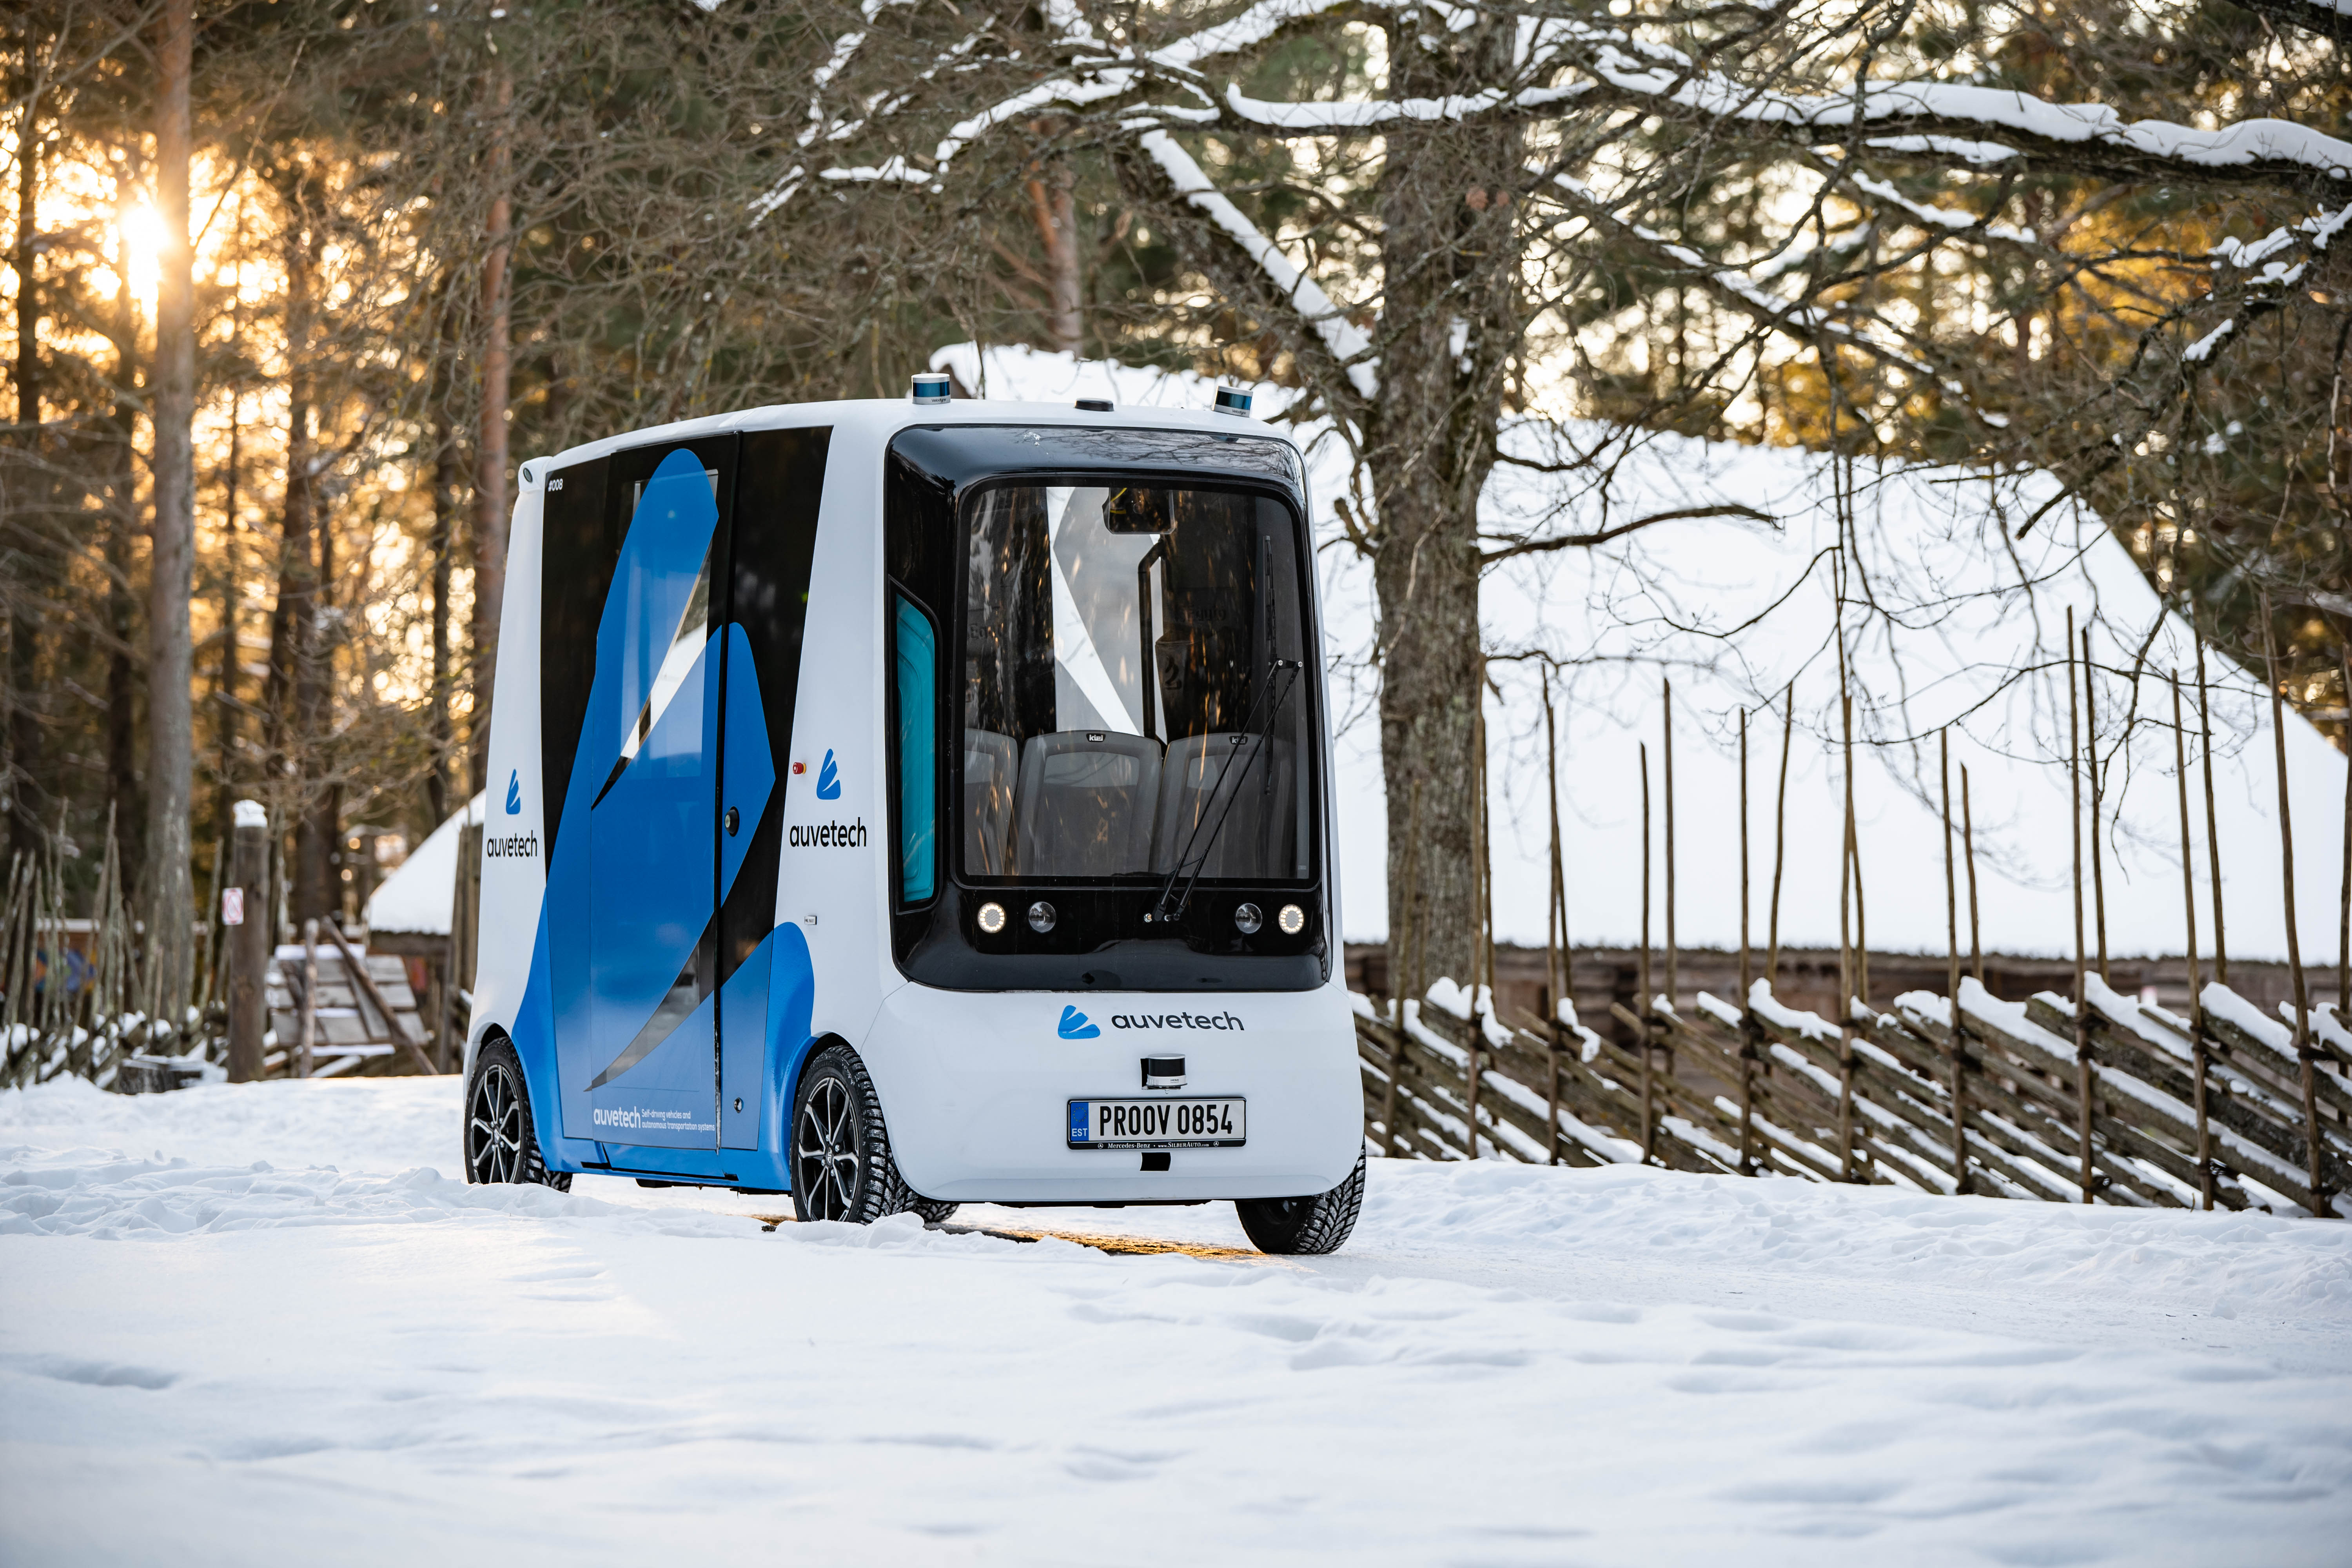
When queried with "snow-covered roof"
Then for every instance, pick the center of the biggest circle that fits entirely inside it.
(1967, 630)
(415, 900)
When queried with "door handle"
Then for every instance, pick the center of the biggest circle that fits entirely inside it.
(734, 821)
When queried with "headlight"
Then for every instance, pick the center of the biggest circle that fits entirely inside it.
(1247, 918)
(1041, 917)
(991, 917)
(1292, 920)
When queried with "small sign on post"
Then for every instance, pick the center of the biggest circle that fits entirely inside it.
(232, 906)
(249, 953)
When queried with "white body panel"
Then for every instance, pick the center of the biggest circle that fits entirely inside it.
(513, 885)
(974, 1087)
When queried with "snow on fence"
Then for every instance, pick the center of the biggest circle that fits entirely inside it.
(2138, 1106)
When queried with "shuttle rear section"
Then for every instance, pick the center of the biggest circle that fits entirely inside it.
(904, 806)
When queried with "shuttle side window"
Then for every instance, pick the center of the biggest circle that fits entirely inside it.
(915, 748)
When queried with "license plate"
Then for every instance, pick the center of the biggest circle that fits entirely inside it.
(1157, 1123)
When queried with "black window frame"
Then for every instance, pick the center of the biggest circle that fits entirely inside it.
(927, 471)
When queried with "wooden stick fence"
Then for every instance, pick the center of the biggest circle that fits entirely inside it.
(2097, 1098)
(67, 1012)
(2175, 1113)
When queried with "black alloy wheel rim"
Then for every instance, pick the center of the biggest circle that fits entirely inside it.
(824, 1151)
(494, 1126)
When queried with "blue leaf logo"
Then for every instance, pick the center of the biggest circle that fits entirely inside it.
(514, 795)
(828, 780)
(1076, 1027)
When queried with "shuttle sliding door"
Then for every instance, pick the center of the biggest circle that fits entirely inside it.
(635, 873)
(766, 989)
(676, 588)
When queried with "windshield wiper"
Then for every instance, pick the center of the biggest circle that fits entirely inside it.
(1162, 911)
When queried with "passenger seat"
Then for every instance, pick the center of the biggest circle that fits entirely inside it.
(1261, 824)
(1086, 803)
(990, 760)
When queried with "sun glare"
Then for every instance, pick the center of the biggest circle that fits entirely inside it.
(142, 237)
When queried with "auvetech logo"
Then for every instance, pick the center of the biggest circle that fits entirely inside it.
(514, 795)
(1220, 1020)
(828, 780)
(1077, 1025)
(510, 847)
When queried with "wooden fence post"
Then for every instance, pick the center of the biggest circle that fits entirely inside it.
(2197, 1052)
(1643, 1009)
(2082, 1006)
(1968, 852)
(1849, 891)
(250, 943)
(310, 1028)
(1482, 962)
(1961, 1183)
(2091, 766)
(1747, 979)
(1557, 984)
(2304, 1048)
(1779, 843)
(2212, 826)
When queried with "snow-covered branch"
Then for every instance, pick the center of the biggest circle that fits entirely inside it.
(2083, 135)
(1348, 342)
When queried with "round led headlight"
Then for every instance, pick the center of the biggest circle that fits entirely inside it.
(1292, 920)
(991, 917)
(1247, 918)
(1041, 917)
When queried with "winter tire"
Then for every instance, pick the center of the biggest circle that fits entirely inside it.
(502, 1140)
(932, 1211)
(1293, 1226)
(842, 1167)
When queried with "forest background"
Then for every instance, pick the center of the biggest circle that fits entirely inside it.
(296, 284)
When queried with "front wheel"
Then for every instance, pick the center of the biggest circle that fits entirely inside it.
(842, 1164)
(1295, 1226)
(502, 1141)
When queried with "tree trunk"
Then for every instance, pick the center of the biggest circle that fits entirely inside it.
(28, 302)
(294, 625)
(170, 725)
(318, 832)
(23, 772)
(1449, 319)
(124, 799)
(490, 474)
(224, 696)
(1052, 202)
(448, 474)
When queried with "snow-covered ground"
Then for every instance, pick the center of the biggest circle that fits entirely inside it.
(254, 1325)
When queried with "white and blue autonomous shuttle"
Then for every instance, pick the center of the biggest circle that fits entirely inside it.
(909, 804)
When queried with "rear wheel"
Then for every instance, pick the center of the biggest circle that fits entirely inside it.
(502, 1140)
(1295, 1226)
(842, 1164)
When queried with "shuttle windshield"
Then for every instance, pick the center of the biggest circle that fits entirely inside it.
(1134, 703)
